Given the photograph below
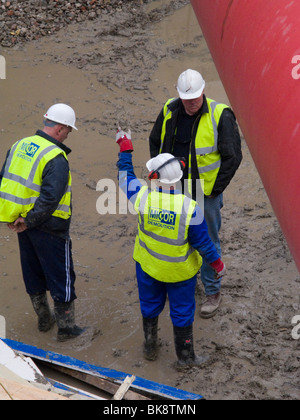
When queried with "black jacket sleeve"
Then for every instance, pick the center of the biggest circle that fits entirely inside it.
(155, 136)
(229, 145)
(3, 167)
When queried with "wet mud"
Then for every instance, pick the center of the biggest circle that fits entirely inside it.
(121, 67)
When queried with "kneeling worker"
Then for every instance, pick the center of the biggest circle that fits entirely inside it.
(172, 233)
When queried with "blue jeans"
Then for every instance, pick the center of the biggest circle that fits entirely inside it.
(153, 295)
(212, 214)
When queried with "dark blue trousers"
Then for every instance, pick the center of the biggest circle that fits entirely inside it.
(47, 264)
(153, 295)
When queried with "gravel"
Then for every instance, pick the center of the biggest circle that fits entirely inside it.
(22, 21)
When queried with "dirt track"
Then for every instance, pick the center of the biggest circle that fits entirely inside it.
(121, 67)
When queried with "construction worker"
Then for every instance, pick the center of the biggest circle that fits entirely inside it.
(35, 202)
(205, 132)
(172, 233)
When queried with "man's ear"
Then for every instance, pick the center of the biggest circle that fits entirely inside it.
(58, 129)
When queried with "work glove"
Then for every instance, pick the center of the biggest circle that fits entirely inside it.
(219, 268)
(123, 139)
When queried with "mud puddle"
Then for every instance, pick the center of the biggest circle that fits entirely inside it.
(122, 67)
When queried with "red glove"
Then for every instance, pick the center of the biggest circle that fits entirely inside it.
(219, 268)
(124, 140)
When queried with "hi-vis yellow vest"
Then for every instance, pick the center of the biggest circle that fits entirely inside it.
(162, 248)
(206, 144)
(22, 179)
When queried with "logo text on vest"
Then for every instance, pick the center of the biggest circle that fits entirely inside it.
(163, 218)
(27, 151)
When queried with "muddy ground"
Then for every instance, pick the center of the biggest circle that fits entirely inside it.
(122, 66)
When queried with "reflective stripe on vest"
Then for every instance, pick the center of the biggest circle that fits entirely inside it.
(162, 246)
(167, 117)
(18, 193)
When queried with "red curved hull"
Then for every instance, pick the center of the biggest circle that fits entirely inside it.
(256, 49)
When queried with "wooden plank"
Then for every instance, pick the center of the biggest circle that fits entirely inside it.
(120, 394)
(4, 393)
(11, 390)
(99, 383)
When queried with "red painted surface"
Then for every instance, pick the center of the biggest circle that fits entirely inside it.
(255, 45)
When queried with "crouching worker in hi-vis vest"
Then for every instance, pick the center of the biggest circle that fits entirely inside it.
(35, 202)
(172, 239)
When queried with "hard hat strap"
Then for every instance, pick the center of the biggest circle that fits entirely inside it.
(156, 175)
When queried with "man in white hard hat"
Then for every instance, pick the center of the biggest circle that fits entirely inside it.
(172, 233)
(205, 132)
(35, 202)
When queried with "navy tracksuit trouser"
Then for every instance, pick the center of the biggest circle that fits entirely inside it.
(47, 264)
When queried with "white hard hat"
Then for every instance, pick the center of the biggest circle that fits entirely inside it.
(165, 168)
(190, 85)
(61, 114)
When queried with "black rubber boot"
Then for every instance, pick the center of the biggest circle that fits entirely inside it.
(65, 319)
(184, 345)
(40, 304)
(150, 345)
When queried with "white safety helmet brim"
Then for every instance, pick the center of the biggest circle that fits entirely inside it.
(188, 97)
